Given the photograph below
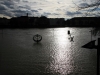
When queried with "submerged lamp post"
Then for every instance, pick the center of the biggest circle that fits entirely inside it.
(37, 38)
(91, 35)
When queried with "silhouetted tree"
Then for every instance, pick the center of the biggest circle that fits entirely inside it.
(96, 31)
(91, 7)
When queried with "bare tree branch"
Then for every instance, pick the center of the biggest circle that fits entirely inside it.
(90, 8)
(95, 5)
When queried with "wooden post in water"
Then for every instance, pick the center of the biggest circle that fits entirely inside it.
(91, 35)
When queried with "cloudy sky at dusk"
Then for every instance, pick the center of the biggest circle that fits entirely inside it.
(48, 8)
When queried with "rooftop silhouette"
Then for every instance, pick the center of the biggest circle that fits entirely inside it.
(44, 22)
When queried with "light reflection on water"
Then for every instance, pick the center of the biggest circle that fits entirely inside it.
(55, 54)
(61, 62)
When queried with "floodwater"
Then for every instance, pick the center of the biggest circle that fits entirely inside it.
(54, 55)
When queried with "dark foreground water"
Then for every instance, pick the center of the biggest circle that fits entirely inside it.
(54, 55)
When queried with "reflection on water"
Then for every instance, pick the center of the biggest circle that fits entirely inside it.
(61, 62)
(55, 54)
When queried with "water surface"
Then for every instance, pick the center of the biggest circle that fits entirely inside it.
(54, 55)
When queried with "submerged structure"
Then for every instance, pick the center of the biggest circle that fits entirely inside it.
(37, 38)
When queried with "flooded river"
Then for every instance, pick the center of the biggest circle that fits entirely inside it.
(56, 54)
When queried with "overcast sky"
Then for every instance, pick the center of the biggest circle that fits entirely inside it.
(49, 8)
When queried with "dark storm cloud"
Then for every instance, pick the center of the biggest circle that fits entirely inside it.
(12, 8)
(55, 14)
(73, 13)
(40, 9)
(34, 11)
(21, 12)
(6, 6)
(98, 9)
(3, 7)
(6, 13)
(46, 14)
(49, 14)
(24, 7)
(25, 1)
(18, 11)
(83, 5)
(9, 3)
(16, 8)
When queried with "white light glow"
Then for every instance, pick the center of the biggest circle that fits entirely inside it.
(61, 62)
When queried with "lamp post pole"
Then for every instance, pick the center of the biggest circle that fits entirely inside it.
(91, 35)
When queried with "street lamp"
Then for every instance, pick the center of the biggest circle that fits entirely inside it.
(91, 34)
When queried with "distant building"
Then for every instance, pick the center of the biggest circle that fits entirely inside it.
(4, 22)
(60, 22)
(26, 21)
(53, 21)
(35, 21)
(42, 22)
(23, 21)
(83, 22)
(57, 22)
(31, 21)
(19, 21)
